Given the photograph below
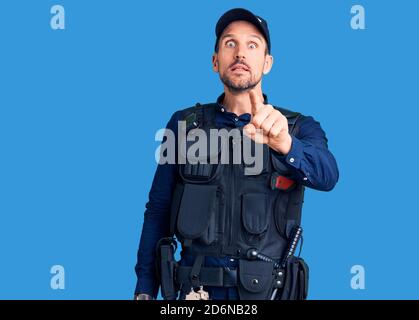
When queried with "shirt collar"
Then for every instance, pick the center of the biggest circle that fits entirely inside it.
(221, 107)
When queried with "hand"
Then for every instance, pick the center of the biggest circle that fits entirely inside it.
(268, 125)
(142, 296)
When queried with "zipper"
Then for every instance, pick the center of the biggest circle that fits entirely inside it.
(232, 190)
(229, 192)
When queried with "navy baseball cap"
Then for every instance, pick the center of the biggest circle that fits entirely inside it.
(242, 14)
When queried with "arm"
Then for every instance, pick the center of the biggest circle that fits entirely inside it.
(309, 158)
(156, 223)
(306, 153)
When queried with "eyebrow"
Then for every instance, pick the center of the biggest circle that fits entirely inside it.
(232, 35)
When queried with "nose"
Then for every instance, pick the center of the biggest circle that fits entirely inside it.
(239, 53)
(239, 57)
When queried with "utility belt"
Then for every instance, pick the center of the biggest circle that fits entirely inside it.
(257, 276)
(208, 276)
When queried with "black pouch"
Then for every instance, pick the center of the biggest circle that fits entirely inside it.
(198, 213)
(254, 216)
(255, 279)
(296, 280)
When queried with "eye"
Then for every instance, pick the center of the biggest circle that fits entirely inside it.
(253, 45)
(230, 44)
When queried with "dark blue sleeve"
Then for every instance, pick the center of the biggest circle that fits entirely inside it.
(156, 221)
(310, 160)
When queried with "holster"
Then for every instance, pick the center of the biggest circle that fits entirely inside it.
(166, 265)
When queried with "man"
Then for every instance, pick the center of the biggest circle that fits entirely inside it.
(238, 231)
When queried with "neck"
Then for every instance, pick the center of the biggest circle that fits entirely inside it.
(239, 102)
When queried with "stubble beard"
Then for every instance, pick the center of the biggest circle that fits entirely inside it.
(239, 85)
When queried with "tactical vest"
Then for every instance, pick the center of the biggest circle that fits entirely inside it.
(218, 210)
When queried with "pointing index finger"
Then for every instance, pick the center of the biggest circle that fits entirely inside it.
(256, 101)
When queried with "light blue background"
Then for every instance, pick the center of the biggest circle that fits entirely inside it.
(79, 109)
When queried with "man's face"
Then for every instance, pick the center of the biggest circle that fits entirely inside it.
(241, 59)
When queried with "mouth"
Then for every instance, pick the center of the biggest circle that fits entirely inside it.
(239, 68)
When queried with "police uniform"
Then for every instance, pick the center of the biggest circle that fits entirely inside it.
(237, 230)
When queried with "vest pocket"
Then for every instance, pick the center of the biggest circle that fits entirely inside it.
(198, 213)
(254, 215)
(198, 164)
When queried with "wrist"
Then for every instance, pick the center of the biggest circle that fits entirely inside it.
(284, 147)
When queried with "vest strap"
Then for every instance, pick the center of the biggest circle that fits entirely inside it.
(205, 115)
(195, 271)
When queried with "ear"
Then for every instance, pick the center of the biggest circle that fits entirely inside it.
(215, 62)
(269, 61)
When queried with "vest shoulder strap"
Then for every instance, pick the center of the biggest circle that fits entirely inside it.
(200, 115)
(293, 117)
